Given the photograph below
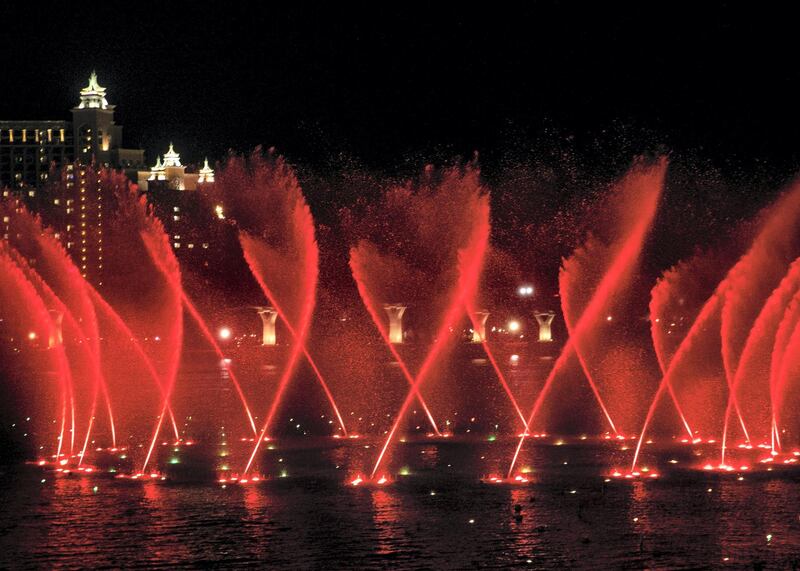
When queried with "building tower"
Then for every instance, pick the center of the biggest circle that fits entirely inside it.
(93, 125)
(95, 135)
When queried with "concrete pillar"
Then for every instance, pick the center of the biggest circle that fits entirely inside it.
(268, 317)
(395, 313)
(544, 319)
(56, 336)
(479, 326)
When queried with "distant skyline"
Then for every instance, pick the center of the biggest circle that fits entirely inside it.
(390, 86)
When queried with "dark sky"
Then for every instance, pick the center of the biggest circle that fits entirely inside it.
(399, 83)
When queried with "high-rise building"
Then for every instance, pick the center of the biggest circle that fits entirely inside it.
(56, 169)
(30, 149)
(70, 153)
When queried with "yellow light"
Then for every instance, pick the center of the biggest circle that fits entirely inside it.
(219, 212)
(32, 335)
(513, 326)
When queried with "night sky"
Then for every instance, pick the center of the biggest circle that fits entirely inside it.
(393, 86)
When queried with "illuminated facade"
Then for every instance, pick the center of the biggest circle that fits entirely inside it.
(170, 189)
(170, 174)
(28, 149)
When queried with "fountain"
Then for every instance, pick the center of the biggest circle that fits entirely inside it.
(109, 364)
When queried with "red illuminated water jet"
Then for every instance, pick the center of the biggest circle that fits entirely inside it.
(264, 202)
(754, 363)
(253, 251)
(496, 366)
(641, 189)
(754, 277)
(58, 279)
(277, 237)
(17, 291)
(768, 254)
(358, 266)
(470, 257)
(209, 336)
(120, 324)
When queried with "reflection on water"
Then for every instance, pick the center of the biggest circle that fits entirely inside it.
(437, 515)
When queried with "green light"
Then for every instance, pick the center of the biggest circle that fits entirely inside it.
(174, 461)
(95, 489)
(405, 471)
(492, 437)
(284, 474)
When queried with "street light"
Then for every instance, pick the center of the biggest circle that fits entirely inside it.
(525, 290)
(224, 333)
